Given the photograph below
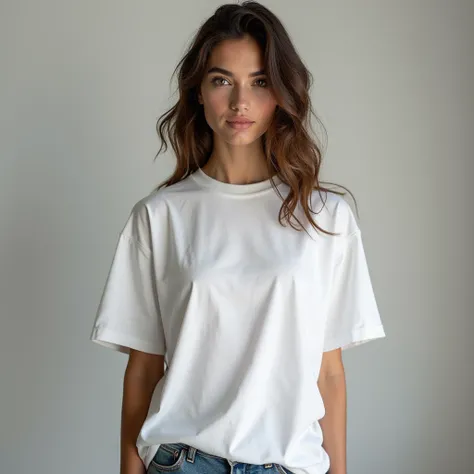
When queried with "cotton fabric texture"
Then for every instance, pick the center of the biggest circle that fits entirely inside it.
(242, 308)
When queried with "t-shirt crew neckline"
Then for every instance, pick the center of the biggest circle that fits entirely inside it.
(229, 188)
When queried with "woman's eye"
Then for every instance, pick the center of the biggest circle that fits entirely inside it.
(217, 79)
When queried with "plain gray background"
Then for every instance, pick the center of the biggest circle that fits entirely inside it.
(82, 84)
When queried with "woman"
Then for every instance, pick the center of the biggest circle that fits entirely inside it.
(212, 279)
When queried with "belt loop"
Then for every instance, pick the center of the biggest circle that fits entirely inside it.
(191, 454)
(231, 463)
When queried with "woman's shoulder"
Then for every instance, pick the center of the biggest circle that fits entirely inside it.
(335, 212)
(159, 196)
(152, 210)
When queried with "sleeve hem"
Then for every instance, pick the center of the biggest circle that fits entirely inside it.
(120, 342)
(354, 338)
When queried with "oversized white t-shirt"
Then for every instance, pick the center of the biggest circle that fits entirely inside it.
(242, 308)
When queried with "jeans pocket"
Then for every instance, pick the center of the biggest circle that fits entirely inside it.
(169, 457)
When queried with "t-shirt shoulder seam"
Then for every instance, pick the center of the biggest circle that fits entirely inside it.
(133, 240)
(353, 233)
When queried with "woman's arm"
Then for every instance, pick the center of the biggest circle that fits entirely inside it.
(142, 374)
(332, 386)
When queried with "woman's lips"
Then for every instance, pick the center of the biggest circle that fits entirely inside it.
(239, 125)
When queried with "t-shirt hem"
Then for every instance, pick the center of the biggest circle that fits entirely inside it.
(354, 338)
(120, 342)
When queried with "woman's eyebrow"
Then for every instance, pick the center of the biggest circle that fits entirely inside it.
(228, 73)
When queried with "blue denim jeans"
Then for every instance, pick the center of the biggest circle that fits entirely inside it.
(182, 458)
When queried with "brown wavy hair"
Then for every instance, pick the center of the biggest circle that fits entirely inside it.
(291, 152)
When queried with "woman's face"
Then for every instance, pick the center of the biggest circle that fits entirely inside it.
(235, 87)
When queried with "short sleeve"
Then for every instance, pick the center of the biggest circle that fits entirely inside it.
(353, 317)
(128, 315)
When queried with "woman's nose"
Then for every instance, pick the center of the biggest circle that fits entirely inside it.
(239, 99)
